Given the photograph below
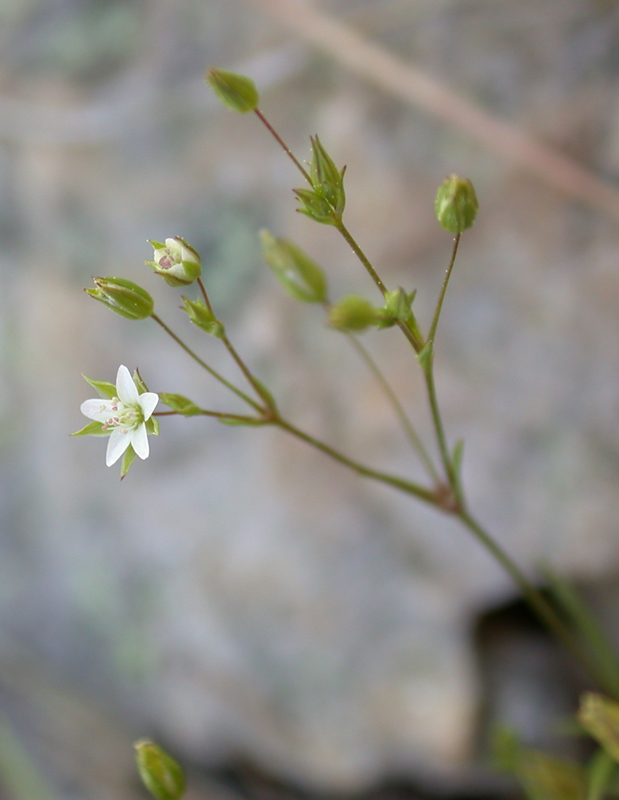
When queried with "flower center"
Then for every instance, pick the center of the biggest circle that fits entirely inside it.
(124, 416)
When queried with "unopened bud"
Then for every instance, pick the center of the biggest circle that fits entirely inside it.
(202, 317)
(122, 296)
(397, 307)
(456, 204)
(353, 313)
(302, 278)
(176, 261)
(235, 91)
(327, 179)
(160, 773)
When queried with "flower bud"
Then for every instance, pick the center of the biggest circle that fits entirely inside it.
(327, 180)
(456, 204)
(302, 278)
(122, 296)
(353, 313)
(176, 261)
(160, 773)
(202, 318)
(235, 91)
(397, 307)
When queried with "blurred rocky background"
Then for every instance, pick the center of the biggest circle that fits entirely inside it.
(262, 612)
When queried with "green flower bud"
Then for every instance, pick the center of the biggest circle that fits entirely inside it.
(456, 204)
(327, 180)
(599, 716)
(353, 313)
(302, 278)
(160, 773)
(122, 296)
(202, 318)
(235, 91)
(176, 261)
(397, 307)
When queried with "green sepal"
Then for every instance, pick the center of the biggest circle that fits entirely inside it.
(139, 382)
(425, 356)
(300, 275)
(316, 207)
(180, 404)
(202, 318)
(237, 92)
(152, 426)
(104, 389)
(92, 429)
(601, 770)
(327, 180)
(127, 461)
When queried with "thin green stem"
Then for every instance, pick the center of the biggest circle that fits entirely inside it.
(283, 145)
(537, 601)
(354, 246)
(544, 610)
(205, 366)
(237, 358)
(412, 337)
(438, 426)
(405, 422)
(439, 304)
(415, 489)
(218, 414)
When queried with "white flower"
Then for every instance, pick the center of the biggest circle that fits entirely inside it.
(123, 417)
(176, 261)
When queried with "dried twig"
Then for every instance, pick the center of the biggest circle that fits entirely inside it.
(406, 81)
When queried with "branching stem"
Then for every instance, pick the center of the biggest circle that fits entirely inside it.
(237, 358)
(405, 422)
(205, 366)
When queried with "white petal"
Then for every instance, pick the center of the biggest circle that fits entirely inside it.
(148, 403)
(139, 441)
(126, 388)
(118, 443)
(98, 409)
